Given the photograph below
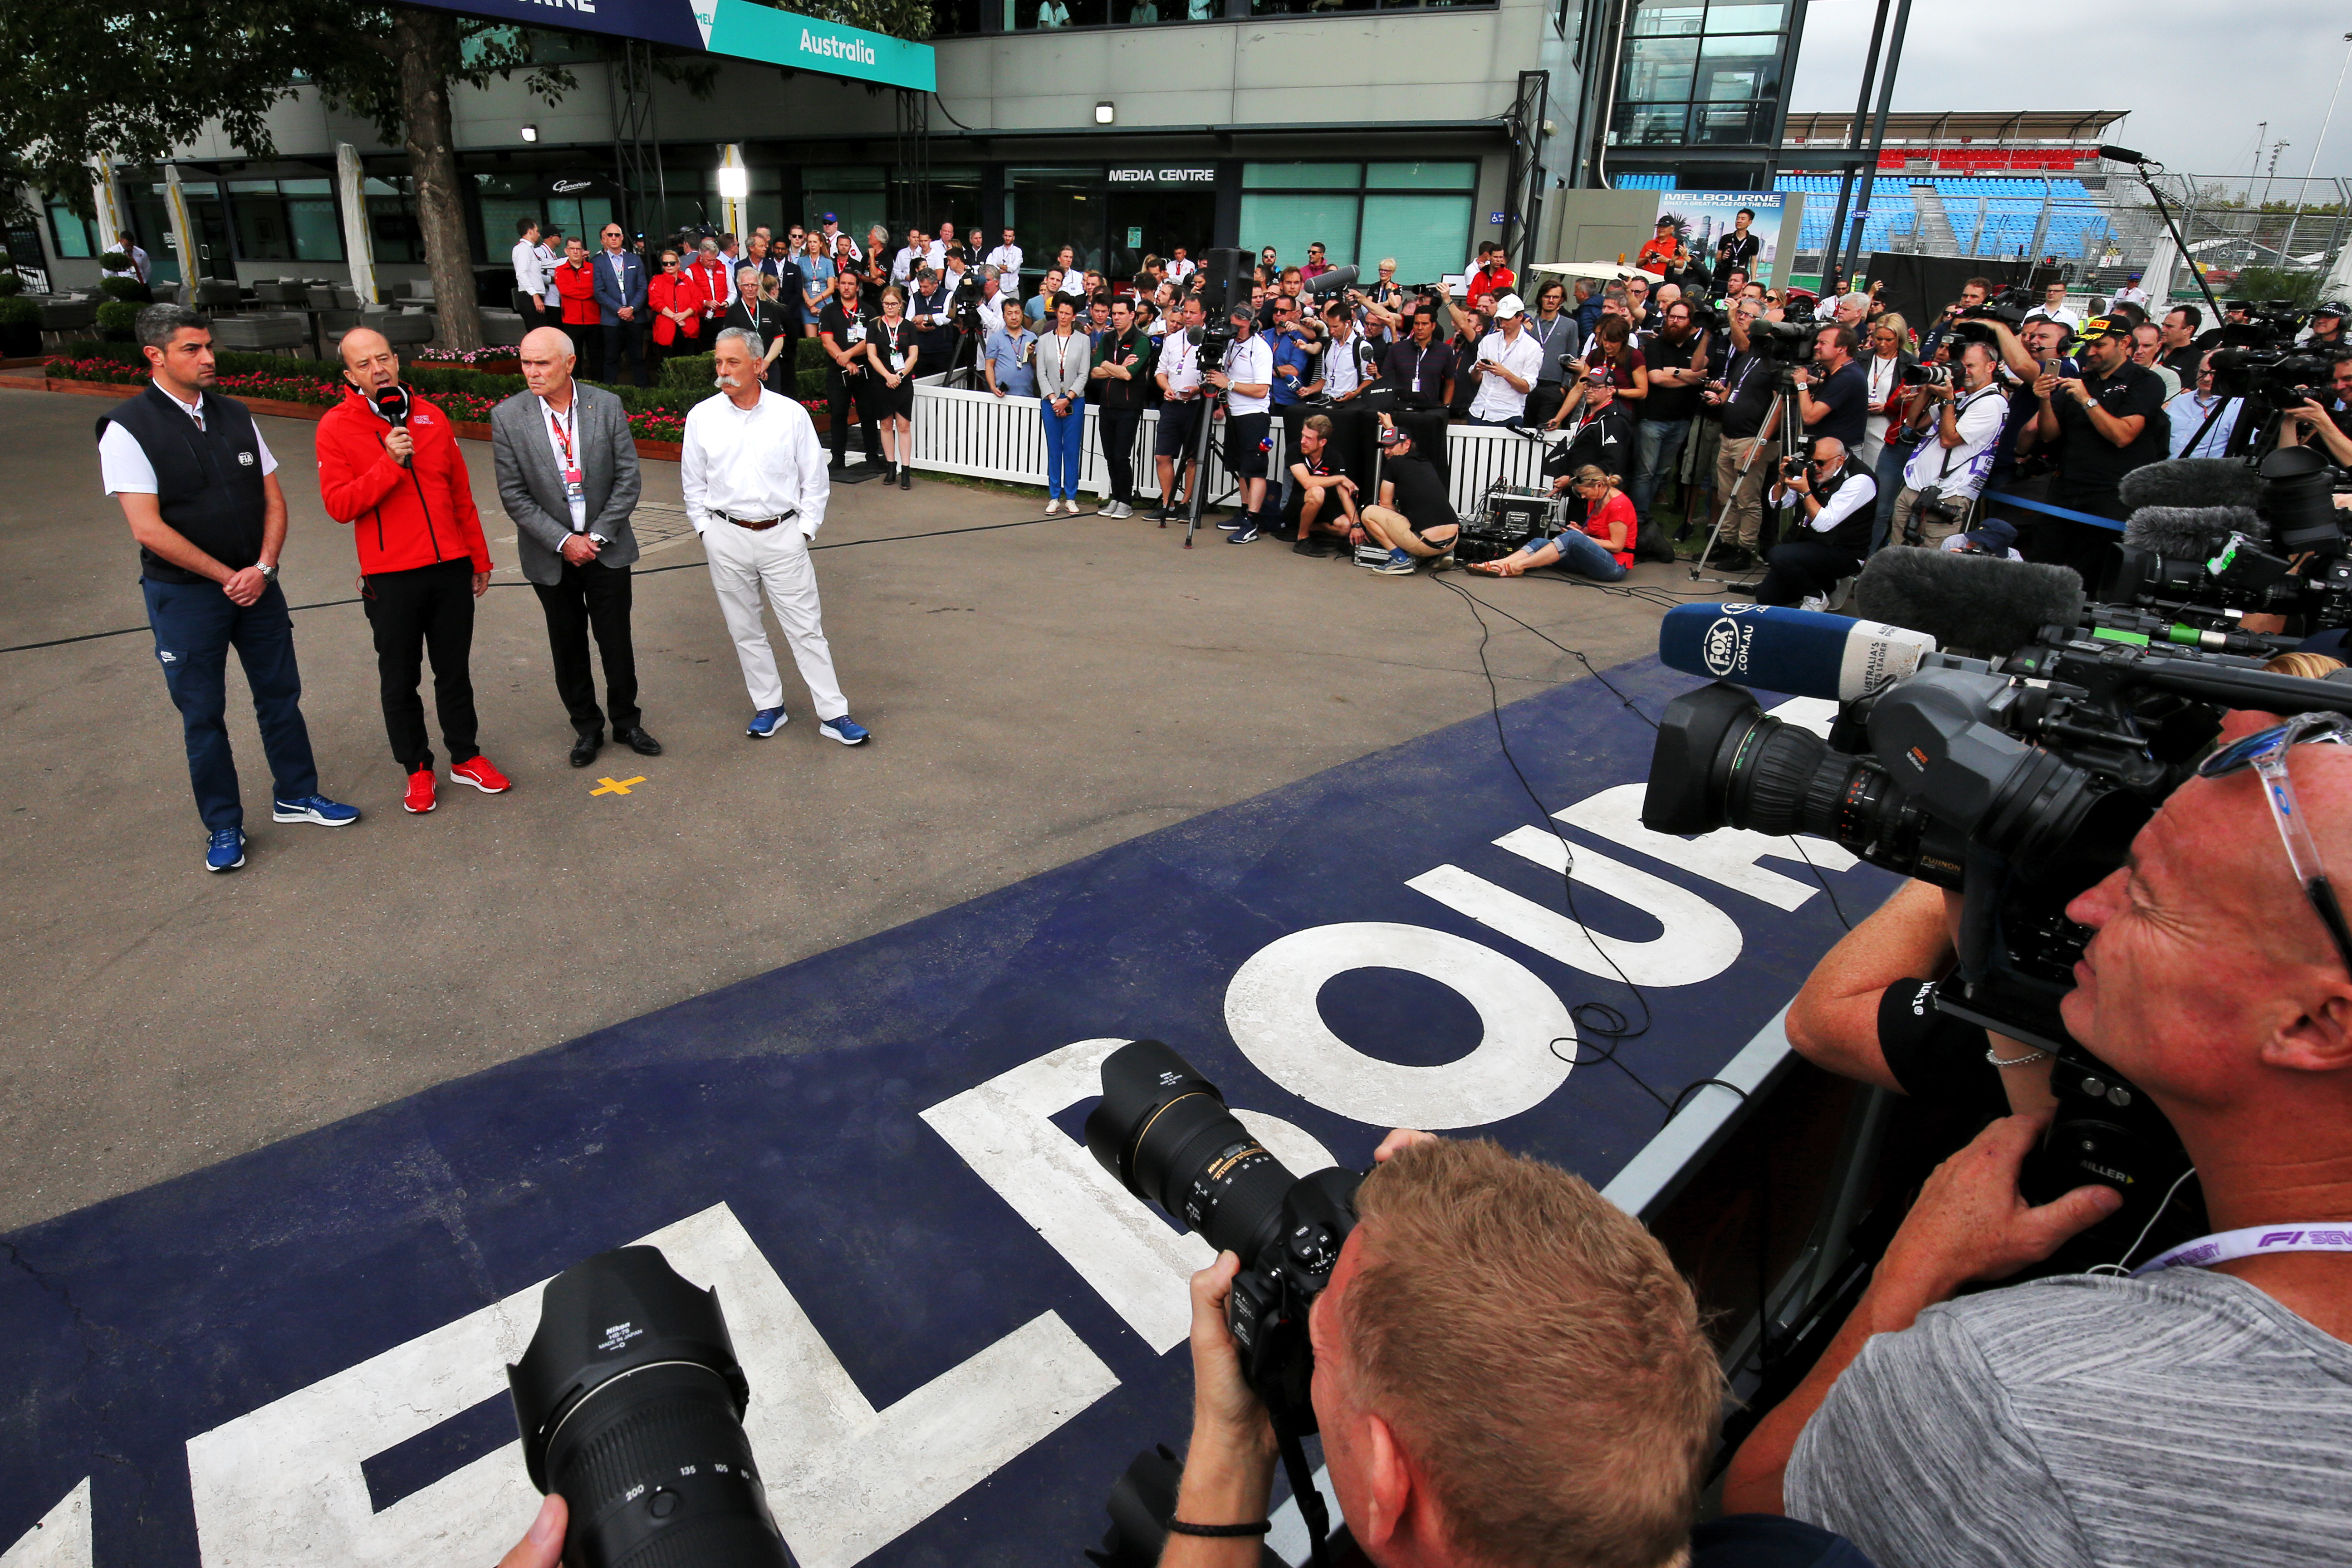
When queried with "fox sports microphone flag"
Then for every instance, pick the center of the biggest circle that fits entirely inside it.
(1802, 652)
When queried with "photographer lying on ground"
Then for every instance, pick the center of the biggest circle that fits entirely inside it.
(2194, 1413)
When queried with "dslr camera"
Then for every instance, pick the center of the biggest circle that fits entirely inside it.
(2019, 783)
(2008, 308)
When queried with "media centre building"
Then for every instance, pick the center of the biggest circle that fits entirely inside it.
(1120, 127)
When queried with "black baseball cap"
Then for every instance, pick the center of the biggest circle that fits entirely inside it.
(2334, 308)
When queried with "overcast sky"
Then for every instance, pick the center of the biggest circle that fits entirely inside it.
(2196, 77)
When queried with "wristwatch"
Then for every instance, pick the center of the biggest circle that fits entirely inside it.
(269, 573)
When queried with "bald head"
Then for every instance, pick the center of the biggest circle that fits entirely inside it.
(1829, 451)
(369, 362)
(547, 359)
(2212, 981)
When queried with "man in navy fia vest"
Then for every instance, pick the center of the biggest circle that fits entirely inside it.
(197, 484)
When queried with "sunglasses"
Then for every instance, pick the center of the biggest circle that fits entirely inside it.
(2265, 751)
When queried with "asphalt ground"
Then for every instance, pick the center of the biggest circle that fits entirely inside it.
(1037, 690)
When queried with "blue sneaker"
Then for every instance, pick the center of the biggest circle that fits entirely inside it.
(845, 729)
(225, 852)
(315, 808)
(1239, 519)
(1398, 564)
(766, 722)
(1247, 534)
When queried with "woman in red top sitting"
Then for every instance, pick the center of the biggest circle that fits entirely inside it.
(1601, 549)
(675, 298)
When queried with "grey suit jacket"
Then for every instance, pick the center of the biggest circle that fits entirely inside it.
(530, 487)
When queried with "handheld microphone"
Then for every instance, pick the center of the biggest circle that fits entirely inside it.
(392, 402)
(1977, 603)
(1803, 653)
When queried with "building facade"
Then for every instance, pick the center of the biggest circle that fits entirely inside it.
(1120, 127)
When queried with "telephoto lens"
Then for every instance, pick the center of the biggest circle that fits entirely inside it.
(631, 1402)
(1164, 1132)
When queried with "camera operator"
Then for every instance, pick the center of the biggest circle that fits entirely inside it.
(1532, 1387)
(2326, 331)
(1973, 293)
(2104, 423)
(2332, 426)
(1247, 379)
(1842, 412)
(1832, 497)
(1421, 370)
(1676, 358)
(1751, 437)
(1941, 477)
(2191, 1412)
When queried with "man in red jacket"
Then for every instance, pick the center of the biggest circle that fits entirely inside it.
(389, 466)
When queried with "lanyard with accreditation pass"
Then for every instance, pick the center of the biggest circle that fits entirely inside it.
(2254, 1241)
(563, 425)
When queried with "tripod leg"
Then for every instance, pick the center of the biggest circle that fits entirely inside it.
(1201, 443)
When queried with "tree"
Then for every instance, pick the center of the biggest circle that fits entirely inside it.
(129, 81)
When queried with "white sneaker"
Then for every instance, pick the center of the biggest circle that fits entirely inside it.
(1054, 507)
(1814, 602)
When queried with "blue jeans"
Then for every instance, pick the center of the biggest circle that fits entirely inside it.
(1656, 444)
(1064, 442)
(1891, 459)
(195, 624)
(1587, 557)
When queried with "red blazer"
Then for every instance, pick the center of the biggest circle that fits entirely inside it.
(401, 518)
(577, 286)
(678, 291)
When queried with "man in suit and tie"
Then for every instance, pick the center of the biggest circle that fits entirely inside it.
(567, 471)
(621, 300)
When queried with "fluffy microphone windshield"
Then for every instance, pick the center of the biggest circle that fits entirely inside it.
(2190, 532)
(2192, 483)
(1970, 603)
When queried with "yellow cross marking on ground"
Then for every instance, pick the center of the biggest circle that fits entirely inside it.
(616, 787)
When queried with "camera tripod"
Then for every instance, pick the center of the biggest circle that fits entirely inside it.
(1782, 401)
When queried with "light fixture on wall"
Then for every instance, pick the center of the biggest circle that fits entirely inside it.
(734, 182)
(1104, 114)
(531, 132)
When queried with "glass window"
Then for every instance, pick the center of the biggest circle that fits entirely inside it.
(1420, 176)
(1291, 222)
(857, 195)
(393, 232)
(1668, 19)
(69, 231)
(1023, 16)
(312, 219)
(1658, 70)
(1650, 124)
(1746, 18)
(259, 218)
(1300, 176)
(1428, 234)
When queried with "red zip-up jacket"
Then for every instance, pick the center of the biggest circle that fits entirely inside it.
(401, 518)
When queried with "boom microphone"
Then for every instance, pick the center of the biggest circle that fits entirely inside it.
(2190, 532)
(1331, 282)
(1801, 652)
(2119, 154)
(2192, 483)
(1977, 603)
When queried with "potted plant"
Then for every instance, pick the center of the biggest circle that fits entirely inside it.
(118, 322)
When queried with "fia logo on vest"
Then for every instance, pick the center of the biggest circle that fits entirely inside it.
(245, 458)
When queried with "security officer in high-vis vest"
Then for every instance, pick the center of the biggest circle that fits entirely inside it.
(195, 481)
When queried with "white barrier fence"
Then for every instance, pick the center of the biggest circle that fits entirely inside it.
(991, 437)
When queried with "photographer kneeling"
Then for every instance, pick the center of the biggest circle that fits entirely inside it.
(2195, 1413)
(1508, 1373)
(1832, 497)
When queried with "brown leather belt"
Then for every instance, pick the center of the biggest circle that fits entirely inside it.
(762, 525)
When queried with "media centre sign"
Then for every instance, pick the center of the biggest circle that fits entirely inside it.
(1153, 175)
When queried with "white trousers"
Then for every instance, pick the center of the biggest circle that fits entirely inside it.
(741, 564)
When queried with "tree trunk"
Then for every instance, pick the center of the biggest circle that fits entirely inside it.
(427, 42)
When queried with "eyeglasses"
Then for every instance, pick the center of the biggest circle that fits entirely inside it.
(2265, 752)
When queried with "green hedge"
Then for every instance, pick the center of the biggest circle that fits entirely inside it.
(10, 285)
(126, 288)
(15, 313)
(118, 318)
(682, 371)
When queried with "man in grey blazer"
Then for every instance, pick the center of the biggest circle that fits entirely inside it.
(568, 476)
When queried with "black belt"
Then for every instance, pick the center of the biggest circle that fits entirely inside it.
(760, 525)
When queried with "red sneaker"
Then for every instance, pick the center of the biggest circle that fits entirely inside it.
(478, 771)
(419, 798)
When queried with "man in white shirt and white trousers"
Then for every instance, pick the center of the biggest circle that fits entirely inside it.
(754, 477)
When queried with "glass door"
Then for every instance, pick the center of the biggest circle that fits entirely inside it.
(1146, 222)
(1055, 208)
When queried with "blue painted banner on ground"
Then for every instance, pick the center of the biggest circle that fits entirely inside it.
(956, 1330)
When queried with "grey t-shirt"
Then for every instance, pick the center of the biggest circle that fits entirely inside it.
(2185, 1417)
